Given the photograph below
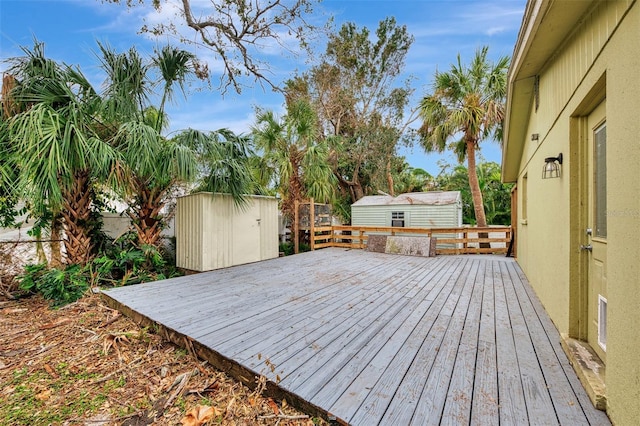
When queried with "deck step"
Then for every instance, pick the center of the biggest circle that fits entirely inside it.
(589, 368)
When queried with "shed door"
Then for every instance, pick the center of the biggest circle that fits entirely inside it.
(596, 248)
(246, 235)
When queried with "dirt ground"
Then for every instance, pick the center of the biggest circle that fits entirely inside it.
(86, 364)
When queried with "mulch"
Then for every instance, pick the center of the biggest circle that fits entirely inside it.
(86, 364)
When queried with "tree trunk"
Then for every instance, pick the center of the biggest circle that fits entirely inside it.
(294, 194)
(390, 178)
(56, 236)
(358, 191)
(146, 217)
(476, 194)
(76, 213)
(40, 254)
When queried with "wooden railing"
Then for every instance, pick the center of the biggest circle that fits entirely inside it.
(462, 240)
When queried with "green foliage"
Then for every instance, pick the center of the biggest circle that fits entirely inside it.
(341, 208)
(121, 262)
(157, 165)
(495, 194)
(56, 138)
(60, 286)
(8, 178)
(360, 103)
(288, 248)
(227, 163)
(126, 263)
(466, 106)
(411, 179)
(297, 155)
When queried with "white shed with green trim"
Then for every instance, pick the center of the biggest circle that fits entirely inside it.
(434, 209)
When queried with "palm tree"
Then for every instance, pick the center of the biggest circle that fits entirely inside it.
(226, 163)
(293, 148)
(413, 179)
(62, 157)
(8, 178)
(495, 194)
(465, 108)
(8, 156)
(158, 165)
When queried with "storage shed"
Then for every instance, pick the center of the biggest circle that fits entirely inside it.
(435, 209)
(212, 232)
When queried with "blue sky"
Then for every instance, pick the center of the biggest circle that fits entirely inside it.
(70, 29)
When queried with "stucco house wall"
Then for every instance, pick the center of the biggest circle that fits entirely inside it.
(571, 59)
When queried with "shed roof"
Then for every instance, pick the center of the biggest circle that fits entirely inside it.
(431, 198)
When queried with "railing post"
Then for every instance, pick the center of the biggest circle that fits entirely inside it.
(312, 224)
(465, 238)
(296, 243)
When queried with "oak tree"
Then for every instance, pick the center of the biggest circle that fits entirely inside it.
(237, 31)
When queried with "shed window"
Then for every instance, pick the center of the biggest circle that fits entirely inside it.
(397, 219)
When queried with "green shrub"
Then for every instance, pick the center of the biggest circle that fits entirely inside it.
(288, 249)
(120, 262)
(60, 286)
(124, 263)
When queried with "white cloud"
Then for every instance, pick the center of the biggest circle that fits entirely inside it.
(480, 18)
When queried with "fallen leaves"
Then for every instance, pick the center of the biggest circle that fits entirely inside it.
(273, 406)
(79, 357)
(44, 395)
(200, 415)
(57, 323)
(113, 340)
(51, 371)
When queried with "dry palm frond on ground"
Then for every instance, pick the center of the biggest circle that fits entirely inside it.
(87, 364)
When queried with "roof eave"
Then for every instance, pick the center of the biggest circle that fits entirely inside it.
(546, 25)
(517, 93)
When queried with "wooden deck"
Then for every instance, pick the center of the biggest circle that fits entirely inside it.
(372, 338)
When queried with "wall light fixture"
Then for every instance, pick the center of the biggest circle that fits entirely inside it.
(552, 167)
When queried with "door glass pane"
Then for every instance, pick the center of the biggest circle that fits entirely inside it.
(600, 180)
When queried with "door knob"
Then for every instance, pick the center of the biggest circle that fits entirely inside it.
(588, 247)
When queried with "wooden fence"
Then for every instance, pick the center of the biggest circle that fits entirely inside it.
(462, 240)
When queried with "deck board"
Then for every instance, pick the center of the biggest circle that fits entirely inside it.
(373, 338)
(484, 406)
(457, 406)
(534, 386)
(570, 381)
(513, 409)
(430, 406)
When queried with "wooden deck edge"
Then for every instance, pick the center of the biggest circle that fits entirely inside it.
(589, 368)
(234, 369)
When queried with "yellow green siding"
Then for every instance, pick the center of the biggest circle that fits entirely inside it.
(598, 63)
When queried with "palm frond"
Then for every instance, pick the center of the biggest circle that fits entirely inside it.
(175, 65)
(127, 88)
(140, 145)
